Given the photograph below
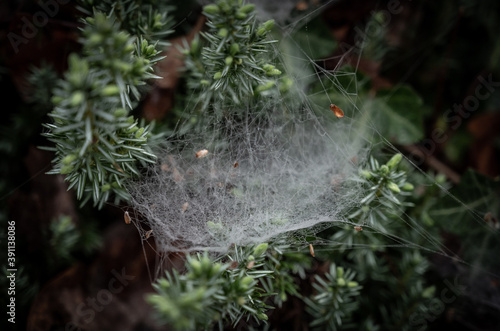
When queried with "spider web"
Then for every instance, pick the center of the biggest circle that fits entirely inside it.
(277, 169)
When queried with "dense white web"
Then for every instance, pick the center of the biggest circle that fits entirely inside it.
(278, 166)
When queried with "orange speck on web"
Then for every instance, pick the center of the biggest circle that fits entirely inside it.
(338, 112)
(311, 249)
(201, 153)
(126, 217)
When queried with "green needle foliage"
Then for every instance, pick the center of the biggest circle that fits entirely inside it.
(245, 284)
(335, 299)
(383, 183)
(232, 62)
(148, 19)
(286, 268)
(97, 144)
(393, 274)
(214, 291)
(380, 208)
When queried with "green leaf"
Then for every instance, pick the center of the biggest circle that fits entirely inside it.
(315, 39)
(398, 114)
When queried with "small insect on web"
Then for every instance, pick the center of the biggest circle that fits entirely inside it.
(338, 112)
(311, 250)
(201, 153)
(126, 217)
